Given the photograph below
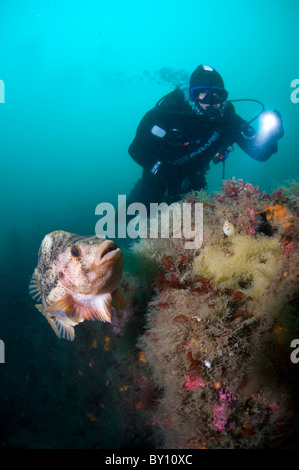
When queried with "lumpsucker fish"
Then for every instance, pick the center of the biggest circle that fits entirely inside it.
(77, 278)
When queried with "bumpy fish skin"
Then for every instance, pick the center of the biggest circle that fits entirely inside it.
(52, 245)
(75, 280)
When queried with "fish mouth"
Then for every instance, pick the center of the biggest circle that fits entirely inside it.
(107, 251)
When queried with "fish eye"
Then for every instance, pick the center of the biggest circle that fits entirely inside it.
(75, 252)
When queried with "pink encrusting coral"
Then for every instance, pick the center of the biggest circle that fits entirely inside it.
(252, 219)
(274, 407)
(191, 383)
(220, 417)
(220, 411)
(119, 320)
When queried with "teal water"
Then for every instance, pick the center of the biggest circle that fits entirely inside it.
(78, 78)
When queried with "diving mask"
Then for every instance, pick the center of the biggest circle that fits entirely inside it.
(208, 95)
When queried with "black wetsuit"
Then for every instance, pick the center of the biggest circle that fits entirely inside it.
(175, 146)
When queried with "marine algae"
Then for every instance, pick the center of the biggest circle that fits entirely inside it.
(244, 263)
(215, 325)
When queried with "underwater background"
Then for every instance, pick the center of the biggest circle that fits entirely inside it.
(78, 78)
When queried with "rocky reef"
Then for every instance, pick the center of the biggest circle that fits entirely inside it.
(207, 334)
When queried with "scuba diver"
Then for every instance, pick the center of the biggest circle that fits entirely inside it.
(187, 129)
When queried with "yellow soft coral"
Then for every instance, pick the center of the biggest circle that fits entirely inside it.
(245, 263)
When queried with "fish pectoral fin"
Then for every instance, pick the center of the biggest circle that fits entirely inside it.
(34, 291)
(102, 307)
(118, 299)
(65, 304)
(99, 309)
(58, 316)
(62, 326)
